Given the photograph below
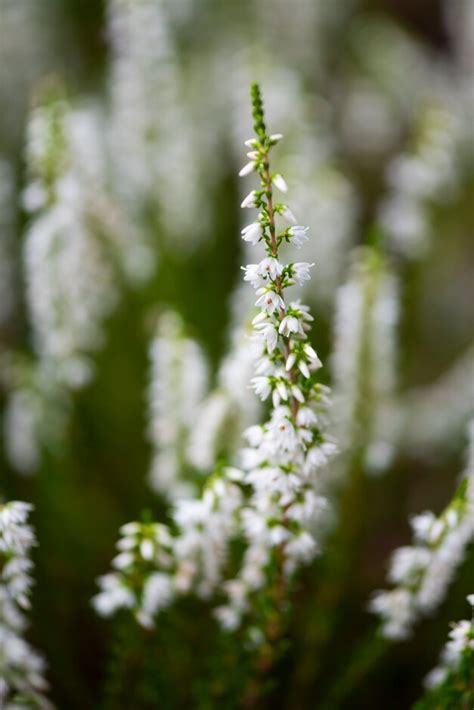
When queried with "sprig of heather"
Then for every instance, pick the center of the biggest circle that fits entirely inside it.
(36, 411)
(226, 410)
(22, 682)
(70, 287)
(178, 382)
(423, 571)
(364, 360)
(281, 463)
(156, 563)
(428, 170)
(271, 500)
(449, 684)
(155, 139)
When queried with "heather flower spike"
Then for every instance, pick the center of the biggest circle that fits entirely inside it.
(422, 572)
(22, 682)
(269, 500)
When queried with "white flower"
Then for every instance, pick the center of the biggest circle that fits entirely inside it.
(289, 325)
(228, 617)
(304, 369)
(247, 169)
(396, 609)
(422, 525)
(311, 353)
(288, 215)
(124, 559)
(306, 417)
(406, 564)
(147, 549)
(264, 366)
(297, 394)
(251, 233)
(262, 387)
(270, 267)
(252, 274)
(157, 593)
(301, 547)
(254, 435)
(114, 595)
(298, 235)
(280, 183)
(269, 333)
(249, 200)
(269, 301)
(301, 271)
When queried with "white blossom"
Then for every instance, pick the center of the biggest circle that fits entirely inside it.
(364, 360)
(178, 384)
(423, 571)
(21, 667)
(155, 140)
(280, 183)
(461, 641)
(298, 235)
(226, 410)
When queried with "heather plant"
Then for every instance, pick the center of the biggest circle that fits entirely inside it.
(142, 383)
(22, 682)
(271, 502)
(450, 684)
(421, 573)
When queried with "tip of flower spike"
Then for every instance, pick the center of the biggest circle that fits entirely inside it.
(257, 111)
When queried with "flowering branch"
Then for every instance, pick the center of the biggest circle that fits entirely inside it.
(22, 680)
(423, 571)
(451, 682)
(271, 501)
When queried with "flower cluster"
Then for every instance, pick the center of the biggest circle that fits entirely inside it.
(154, 136)
(459, 646)
(22, 680)
(70, 287)
(76, 246)
(428, 171)
(155, 563)
(36, 412)
(178, 381)
(364, 358)
(226, 411)
(423, 571)
(271, 499)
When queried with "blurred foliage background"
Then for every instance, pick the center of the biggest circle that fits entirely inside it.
(360, 68)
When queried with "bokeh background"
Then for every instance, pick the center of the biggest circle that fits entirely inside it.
(353, 85)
